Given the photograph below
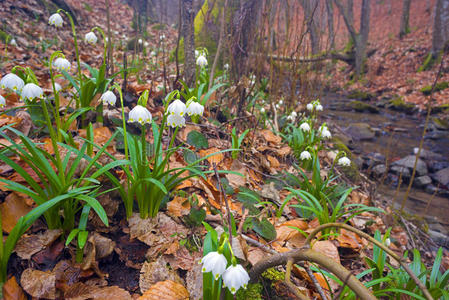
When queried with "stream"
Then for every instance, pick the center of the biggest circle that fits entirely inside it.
(395, 135)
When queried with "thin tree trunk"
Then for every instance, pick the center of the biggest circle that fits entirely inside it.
(405, 27)
(440, 35)
(109, 60)
(220, 42)
(362, 40)
(330, 23)
(350, 10)
(310, 8)
(189, 42)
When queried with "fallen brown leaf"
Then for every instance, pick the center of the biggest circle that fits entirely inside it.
(12, 290)
(39, 284)
(166, 290)
(12, 209)
(153, 272)
(28, 245)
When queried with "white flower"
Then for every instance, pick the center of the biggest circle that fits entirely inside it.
(277, 106)
(58, 87)
(262, 110)
(140, 41)
(226, 66)
(197, 53)
(290, 118)
(2, 101)
(388, 242)
(305, 155)
(176, 121)
(56, 20)
(177, 107)
(108, 97)
(162, 37)
(194, 108)
(319, 107)
(146, 44)
(325, 133)
(201, 61)
(12, 82)
(90, 38)
(294, 114)
(344, 161)
(62, 64)
(139, 114)
(309, 107)
(281, 102)
(13, 43)
(153, 53)
(304, 127)
(31, 91)
(214, 262)
(116, 32)
(107, 40)
(235, 277)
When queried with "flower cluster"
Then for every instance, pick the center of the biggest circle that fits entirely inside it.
(315, 105)
(292, 116)
(234, 277)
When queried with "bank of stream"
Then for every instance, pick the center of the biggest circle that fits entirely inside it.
(382, 140)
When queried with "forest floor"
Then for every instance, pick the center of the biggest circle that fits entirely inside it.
(159, 258)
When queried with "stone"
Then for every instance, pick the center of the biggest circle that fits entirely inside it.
(431, 189)
(379, 170)
(427, 155)
(409, 162)
(436, 135)
(360, 106)
(442, 176)
(439, 238)
(422, 181)
(360, 131)
(435, 166)
(398, 170)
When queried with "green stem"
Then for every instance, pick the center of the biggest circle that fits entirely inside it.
(75, 41)
(57, 102)
(129, 200)
(104, 42)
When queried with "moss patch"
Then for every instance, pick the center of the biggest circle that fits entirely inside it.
(399, 104)
(440, 108)
(438, 87)
(253, 291)
(362, 106)
(273, 275)
(361, 95)
(4, 37)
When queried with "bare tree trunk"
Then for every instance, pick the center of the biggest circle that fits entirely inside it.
(440, 35)
(404, 27)
(330, 23)
(310, 7)
(360, 39)
(189, 42)
(220, 42)
(350, 10)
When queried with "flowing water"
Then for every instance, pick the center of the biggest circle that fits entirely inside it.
(396, 136)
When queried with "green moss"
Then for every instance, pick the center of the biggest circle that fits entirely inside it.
(428, 63)
(357, 94)
(440, 108)
(438, 87)
(253, 291)
(362, 106)
(158, 27)
(441, 123)
(399, 104)
(273, 275)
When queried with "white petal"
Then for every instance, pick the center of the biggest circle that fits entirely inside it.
(177, 107)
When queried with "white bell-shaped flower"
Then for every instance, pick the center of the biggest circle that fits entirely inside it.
(90, 38)
(319, 107)
(62, 64)
(12, 81)
(56, 20)
(153, 53)
(146, 44)
(325, 133)
(344, 161)
(201, 61)
(226, 66)
(177, 107)
(235, 277)
(2, 101)
(108, 97)
(13, 43)
(31, 91)
(58, 87)
(281, 102)
(176, 121)
(197, 53)
(139, 114)
(305, 127)
(162, 37)
(262, 110)
(305, 155)
(194, 108)
(214, 262)
(309, 107)
(140, 41)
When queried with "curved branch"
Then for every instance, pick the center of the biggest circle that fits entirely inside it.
(307, 254)
(366, 236)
